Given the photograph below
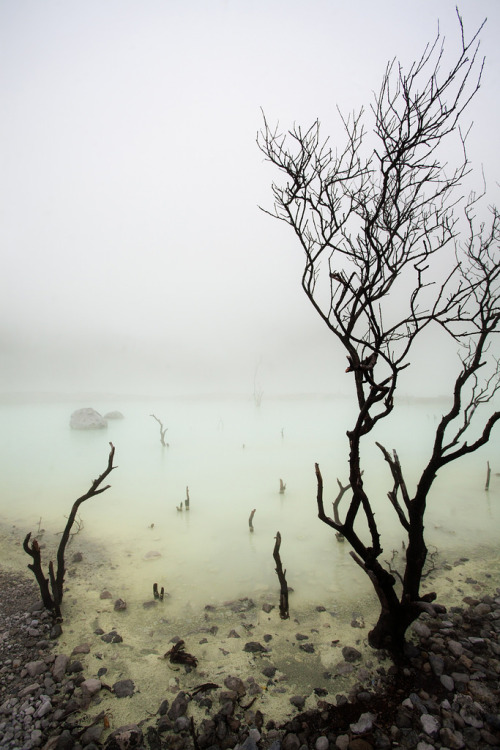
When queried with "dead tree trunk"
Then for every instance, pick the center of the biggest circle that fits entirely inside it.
(52, 597)
(163, 430)
(284, 612)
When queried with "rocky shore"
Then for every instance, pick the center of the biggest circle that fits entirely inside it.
(446, 696)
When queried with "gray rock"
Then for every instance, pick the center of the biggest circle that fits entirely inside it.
(321, 743)
(447, 682)
(124, 688)
(421, 629)
(112, 637)
(87, 419)
(234, 683)
(364, 723)
(290, 742)
(92, 734)
(430, 724)
(307, 647)
(125, 738)
(181, 724)
(35, 668)
(91, 686)
(451, 738)
(254, 647)
(248, 744)
(178, 707)
(83, 648)
(269, 671)
(120, 605)
(298, 701)
(74, 666)
(114, 415)
(351, 654)
(455, 648)
(437, 663)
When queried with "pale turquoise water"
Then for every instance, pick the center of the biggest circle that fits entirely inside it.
(232, 455)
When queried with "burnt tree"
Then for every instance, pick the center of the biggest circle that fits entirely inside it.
(51, 588)
(395, 250)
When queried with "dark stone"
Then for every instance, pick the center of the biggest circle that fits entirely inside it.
(290, 742)
(55, 631)
(164, 724)
(112, 637)
(249, 744)
(351, 654)
(254, 647)
(163, 707)
(268, 637)
(301, 637)
(128, 736)
(298, 701)
(77, 557)
(65, 741)
(235, 684)
(120, 605)
(154, 741)
(233, 634)
(320, 692)
(269, 671)
(267, 607)
(178, 707)
(307, 647)
(123, 688)
(74, 666)
(102, 671)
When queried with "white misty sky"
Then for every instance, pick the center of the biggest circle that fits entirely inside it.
(134, 256)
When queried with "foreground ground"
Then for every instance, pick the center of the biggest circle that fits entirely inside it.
(447, 696)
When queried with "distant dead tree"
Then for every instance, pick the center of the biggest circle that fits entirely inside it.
(393, 250)
(163, 430)
(52, 595)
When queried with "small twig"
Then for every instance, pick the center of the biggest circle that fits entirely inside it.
(488, 476)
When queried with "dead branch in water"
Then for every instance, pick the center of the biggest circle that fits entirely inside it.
(178, 655)
(250, 520)
(488, 476)
(163, 430)
(52, 596)
(284, 612)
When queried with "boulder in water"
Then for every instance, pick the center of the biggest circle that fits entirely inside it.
(87, 419)
(114, 415)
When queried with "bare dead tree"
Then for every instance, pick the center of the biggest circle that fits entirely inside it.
(284, 611)
(52, 595)
(163, 430)
(393, 250)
